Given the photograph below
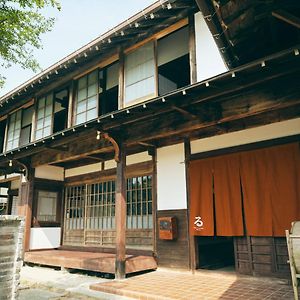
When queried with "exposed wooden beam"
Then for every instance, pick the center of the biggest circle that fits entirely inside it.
(95, 158)
(184, 112)
(287, 17)
(146, 144)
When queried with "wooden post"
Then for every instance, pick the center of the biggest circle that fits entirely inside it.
(192, 50)
(25, 206)
(120, 271)
(191, 238)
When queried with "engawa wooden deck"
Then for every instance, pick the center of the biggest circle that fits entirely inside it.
(91, 261)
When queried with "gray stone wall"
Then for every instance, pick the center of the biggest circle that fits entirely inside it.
(11, 255)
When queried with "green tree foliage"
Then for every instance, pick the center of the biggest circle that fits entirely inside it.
(21, 25)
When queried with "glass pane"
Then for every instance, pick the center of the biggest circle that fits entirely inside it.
(92, 102)
(41, 103)
(39, 134)
(47, 131)
(81, 107)
(82, 94)
(82, 83)
(92, 78)
(91, 114)
(47, 121)
(48, 111)
(40, 124)
(92, 90)
(80, 118)
(49, 100)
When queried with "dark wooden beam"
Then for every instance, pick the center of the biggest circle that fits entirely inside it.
(120, 271)
(287, 17)
(95, 158)
(184, 112)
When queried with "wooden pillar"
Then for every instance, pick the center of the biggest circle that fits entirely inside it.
(191, 238)
(192, 50)
(120, 271)
(25, 206)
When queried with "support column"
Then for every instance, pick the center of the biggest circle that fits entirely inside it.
(120, 271)
(25, 206)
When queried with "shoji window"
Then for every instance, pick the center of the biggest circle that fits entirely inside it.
(139, 202)
(87, 98)
(44, 117)
(25, 135)
(101, 205)
(140, 74)
(47, 206)
(14, 129)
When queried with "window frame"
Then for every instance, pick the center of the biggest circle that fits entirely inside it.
(48, 186)
(75, 114)
(19, 111)
(36, 115)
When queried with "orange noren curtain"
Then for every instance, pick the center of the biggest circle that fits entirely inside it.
(201, 194)
(256, 196)
(228, 202)
(284, 181)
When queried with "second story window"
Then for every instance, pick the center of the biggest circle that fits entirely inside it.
(87, 98)
(140, 78)
(14, 128)
(26, 125)
(44, 117)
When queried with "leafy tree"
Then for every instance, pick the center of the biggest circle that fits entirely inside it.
(21, 25)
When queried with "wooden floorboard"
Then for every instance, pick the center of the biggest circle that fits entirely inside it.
(98, 262)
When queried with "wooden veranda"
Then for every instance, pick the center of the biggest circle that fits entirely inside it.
(89, 261)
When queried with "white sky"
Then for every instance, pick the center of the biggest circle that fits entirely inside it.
(76, 24)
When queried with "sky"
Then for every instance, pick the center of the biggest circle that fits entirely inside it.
(76, 24)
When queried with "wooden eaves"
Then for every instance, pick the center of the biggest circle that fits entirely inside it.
(161, 120)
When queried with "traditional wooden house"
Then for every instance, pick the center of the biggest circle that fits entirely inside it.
(144, 143)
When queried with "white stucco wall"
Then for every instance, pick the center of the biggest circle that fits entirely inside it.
(138, 158)
(15, 185)
(49, 172)
(247, 136)
(110, 164)
(171, 179)
(44, 238)
(209, 59)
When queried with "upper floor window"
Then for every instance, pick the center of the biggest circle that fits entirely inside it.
(44, 116)
(109, 88)
(14, 129)
(26, 125)
(60, 116)
(173, 61)
(87, 98)
(140, 75)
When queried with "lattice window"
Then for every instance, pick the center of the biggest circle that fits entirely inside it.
(14, 129)
(139, 202)
(75, 207)
(46, 206)
(87, 98)
(44, 117)
(101, 205)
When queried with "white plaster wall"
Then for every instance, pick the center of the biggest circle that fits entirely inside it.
(110, 164)
(49, 172)
(15, 184)
(44, 238)
(208, 57)
(247, 136)
(171, 179)
(83, 170)
(138, 158)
